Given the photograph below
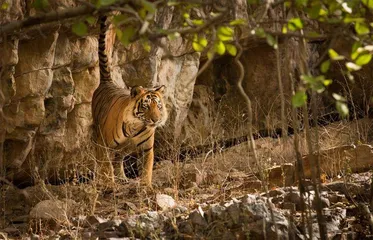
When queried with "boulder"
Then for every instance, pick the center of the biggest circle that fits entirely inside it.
(63, 53)
(165, 201)
(56, 210)
(9, 50)
(179, 76)
(83, 53)
(35, 83)
(29, 61)
(334, 161)
(86, 83)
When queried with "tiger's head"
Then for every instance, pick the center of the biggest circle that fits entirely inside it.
(149, 106)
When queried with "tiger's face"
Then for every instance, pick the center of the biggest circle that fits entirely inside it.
(149, 106)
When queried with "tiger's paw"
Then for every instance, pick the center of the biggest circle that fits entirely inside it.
(147, 186)
(121, 180)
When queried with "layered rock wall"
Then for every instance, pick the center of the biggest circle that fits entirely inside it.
(48, 79)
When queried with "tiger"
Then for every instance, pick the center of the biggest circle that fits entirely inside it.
(124, 120)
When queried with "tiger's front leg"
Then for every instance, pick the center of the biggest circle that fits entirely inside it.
(146, 161)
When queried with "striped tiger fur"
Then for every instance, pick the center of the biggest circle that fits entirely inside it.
(125, 120)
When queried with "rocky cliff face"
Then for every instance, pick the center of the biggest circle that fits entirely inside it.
(218, 110)
(48, 81)
(48, 78)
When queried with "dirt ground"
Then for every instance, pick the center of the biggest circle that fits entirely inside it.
(213, 177)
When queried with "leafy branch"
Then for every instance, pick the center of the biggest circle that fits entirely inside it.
(58, 15)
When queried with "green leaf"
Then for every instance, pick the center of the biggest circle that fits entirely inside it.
(225, 33)
(148, 6)
(323, 12)
(338, 97)
(195, 37)
(327, 82)
(361, 28)
(334, 55)
(271, 41)
(210, 54)
(173, 36)
(352, 66)
(202, 41)
(301, 3)
(354, 49)
(238, 22)
(224, 37)
(219, 47)
(142, 13)
(231, 49)
(228, 31)
(295, 24)
(315, 83)
(186, 15)
(198, 22)
(126, 35)
(346, 8)
(197, 47)
(5, 6)
(170, 4)
(350, 76)
(354, 55)
(119, 19)
(284, 29)
(342, 108)
(259, 32)
(369, 48)
(308, 78)
(91, 20)
(119, 33)
(351, 19)
(368, 3)
(79, 28)
(40, 4)
(314, 11)
(299, 99)
(106, 2)
(325, 66)
(146, 45)
(363, 59)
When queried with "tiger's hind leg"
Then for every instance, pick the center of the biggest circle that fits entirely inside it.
(119, 168)
(104, 170)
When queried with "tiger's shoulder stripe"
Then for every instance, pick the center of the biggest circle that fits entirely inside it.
(103, 59)
(145, 140)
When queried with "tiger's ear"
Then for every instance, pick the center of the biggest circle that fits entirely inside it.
(136, 90)
(160, 89)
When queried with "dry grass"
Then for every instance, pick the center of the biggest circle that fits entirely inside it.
(211, 177)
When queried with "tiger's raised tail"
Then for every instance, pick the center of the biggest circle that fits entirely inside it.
(102, 56)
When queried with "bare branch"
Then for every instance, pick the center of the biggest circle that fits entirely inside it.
(298, 35)
(248, 104)
(185, 31)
